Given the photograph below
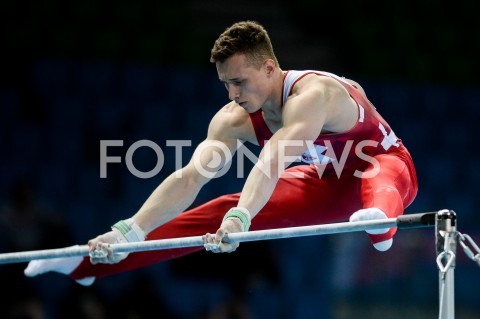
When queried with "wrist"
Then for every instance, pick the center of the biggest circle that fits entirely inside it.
(241, 214)
(129, 230)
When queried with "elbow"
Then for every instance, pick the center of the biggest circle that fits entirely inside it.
(270, 168)
(193, 178)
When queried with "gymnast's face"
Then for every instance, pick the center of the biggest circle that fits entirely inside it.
(248, 86)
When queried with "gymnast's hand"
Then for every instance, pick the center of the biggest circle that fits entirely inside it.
(236, 220)
(124, 231)
(215, 243)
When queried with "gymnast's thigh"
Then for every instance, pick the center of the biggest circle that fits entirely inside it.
(309, 199)
(392, 188)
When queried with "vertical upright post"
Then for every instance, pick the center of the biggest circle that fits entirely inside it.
(446, 230)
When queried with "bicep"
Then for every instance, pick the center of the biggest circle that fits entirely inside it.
(305, 115)
(304, 118)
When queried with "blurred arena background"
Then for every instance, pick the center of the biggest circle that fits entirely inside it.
(77, 72)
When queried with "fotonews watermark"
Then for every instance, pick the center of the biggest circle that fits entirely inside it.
(213, 159)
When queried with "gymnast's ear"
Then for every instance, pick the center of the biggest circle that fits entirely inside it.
(269, 67)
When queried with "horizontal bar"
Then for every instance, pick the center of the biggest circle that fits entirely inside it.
(195, 241)
(417, 220)
(314, 230)
(24, 256)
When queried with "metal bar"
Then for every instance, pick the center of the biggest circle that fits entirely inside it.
(406, 221)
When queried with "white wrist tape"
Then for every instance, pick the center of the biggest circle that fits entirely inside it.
(242, 214)
(130, 230)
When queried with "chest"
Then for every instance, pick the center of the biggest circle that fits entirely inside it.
(273, 124)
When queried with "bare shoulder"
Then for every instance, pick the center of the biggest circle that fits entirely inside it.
(231, 122)
(324, 84)
(329, 100)
(324, 88)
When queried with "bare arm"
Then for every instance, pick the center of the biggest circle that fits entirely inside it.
(313, 106)
(318, 103)
(178, 191)
(303, 118)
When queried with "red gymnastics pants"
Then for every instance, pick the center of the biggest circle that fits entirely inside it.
(295, 202)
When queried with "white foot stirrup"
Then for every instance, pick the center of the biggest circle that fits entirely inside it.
(63, 265)
(370, 214)
(383, 245)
